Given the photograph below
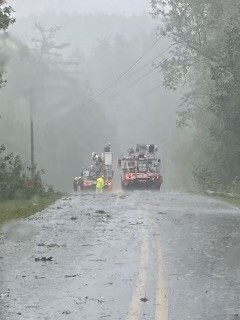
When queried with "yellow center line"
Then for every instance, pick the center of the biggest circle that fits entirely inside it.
(161, 310)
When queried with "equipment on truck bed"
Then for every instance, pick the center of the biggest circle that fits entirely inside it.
(141, 168)
(102, 167)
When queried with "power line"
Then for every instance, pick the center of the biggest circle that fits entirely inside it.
(126, 72)
(147, 64)
(135, 82)
(146, 74)
(139, 79)
(132, 84)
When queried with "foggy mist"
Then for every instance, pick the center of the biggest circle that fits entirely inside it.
(123, 7)
(119, 159)
(69, 123)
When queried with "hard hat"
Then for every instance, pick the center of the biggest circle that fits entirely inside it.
(102, 176)
(109, 144)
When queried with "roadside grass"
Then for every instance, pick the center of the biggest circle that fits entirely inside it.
(23, 208)
(232, 197)
(235, 201)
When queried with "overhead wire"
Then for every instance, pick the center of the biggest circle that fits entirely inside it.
(147, 64)
(126, 72)
(136, 81)
(144, 75)
(141, 78)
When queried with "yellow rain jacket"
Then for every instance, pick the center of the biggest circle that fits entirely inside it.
(100, 183)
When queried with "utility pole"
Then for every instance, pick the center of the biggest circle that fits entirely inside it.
(32, 139)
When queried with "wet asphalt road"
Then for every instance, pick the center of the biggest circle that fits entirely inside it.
(135, 256)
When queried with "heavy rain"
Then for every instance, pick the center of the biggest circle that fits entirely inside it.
(119, 159)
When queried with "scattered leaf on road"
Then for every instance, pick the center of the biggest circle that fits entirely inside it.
(44, 259)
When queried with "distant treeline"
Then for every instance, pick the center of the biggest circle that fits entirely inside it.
(84, 31)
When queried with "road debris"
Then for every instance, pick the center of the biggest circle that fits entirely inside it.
(98, 260)
(101, 212)
(44, 259)
(73, 276)
(5, 294)
(53, 245)
(66, 312)
(40, 244)
(101, 300)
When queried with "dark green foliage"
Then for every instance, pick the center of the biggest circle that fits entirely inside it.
(203, 177)
(5, 16)
(206, 57)
(5, 21)
(14, 180)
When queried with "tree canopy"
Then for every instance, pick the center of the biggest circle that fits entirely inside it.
(6, 20)
(205, 57)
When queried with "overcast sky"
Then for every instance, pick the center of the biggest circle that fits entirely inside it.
(129, 7)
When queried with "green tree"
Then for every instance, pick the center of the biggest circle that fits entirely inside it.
(6, 20)
(205, 56)
(14, 180)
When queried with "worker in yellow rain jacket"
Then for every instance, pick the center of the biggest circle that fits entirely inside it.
(100, 184)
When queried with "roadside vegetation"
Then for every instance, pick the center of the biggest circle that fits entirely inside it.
(23, 208)
(231, 199)
(21, 193)
(6, 20)
(205, 59)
